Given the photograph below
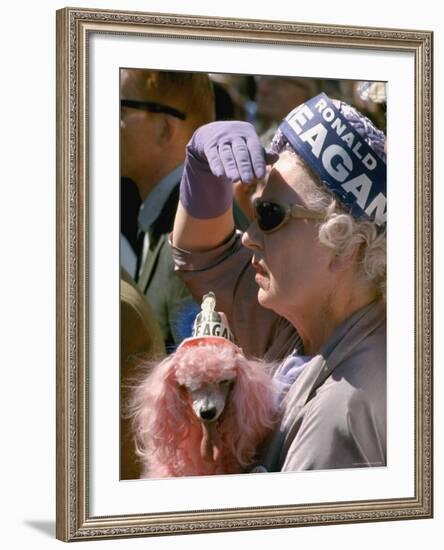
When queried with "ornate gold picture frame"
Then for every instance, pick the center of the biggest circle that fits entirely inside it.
(77, 518)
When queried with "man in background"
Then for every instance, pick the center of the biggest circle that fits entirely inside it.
(159, 112)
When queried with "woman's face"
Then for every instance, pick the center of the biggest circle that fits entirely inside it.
(292, 267)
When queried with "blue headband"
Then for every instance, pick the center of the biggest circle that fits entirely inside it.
(347, 165)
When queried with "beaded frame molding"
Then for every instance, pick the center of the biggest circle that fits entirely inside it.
(74, 28)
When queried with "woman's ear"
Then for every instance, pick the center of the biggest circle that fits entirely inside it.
(341, 262)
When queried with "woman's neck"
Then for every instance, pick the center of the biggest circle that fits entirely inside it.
(318, 324)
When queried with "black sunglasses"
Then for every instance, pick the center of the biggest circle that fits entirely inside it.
(152, 107)
(270, 216)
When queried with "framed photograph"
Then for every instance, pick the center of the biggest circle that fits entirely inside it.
(98, 494)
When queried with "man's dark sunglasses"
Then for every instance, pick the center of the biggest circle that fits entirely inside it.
(152, 107)
(271, 215)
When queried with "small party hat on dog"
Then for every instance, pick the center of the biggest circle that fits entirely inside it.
(210, 326)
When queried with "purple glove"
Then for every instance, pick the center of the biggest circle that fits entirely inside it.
(219, 154)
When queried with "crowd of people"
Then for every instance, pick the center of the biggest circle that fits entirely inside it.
(269, 191)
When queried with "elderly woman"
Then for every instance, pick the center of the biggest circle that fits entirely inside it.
(305, 284)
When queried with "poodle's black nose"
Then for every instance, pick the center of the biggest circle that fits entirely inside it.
(208, 413)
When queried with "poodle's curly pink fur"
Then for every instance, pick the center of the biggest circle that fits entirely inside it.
(168, 433)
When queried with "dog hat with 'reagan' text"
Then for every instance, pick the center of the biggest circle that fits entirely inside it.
(210, 326)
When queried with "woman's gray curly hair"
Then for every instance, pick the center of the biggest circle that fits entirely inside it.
(341, 231)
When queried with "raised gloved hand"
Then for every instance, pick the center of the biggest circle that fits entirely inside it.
(218, 154)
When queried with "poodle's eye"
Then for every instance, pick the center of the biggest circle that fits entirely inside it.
(225, 382)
